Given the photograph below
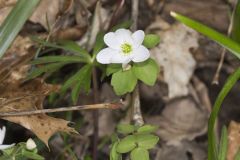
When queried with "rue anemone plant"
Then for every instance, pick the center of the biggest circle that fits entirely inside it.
(124, 56)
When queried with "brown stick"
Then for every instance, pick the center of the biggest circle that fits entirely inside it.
(223, 53)
(95, 115)
(63, 109)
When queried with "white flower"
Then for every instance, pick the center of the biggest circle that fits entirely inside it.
(2, 135)
(31, 144)
(123, 47)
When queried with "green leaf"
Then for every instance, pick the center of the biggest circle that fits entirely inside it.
(70, 82)
(139, 154)
(50, 68)
(151, 40)
(14, 22)
(114, 155)
(73, 47)
(212, 153)
(99, 44)
(83, 81)
(147, 141)
(125, 24)
(123, 82)
(223, 40)
(112, 68)
(127, 144)
(146, 71)
(31, 155)
(222, 153)
(235, 33)
(52, 59)
(125, 128)
(147, 129)
(70, 46)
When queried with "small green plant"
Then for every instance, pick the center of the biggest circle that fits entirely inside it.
(136, 141)
(21, 151)
(124, 78)
(127, 60)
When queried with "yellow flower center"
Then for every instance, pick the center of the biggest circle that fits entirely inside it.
(126, 48)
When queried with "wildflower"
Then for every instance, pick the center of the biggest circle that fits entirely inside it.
(2, 135)
(123, 47)
(30, 145)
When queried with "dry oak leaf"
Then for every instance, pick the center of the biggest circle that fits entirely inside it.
(16, 97)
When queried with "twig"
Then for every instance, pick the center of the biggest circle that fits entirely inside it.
(219, 68)
(223, 53)
(62, 109)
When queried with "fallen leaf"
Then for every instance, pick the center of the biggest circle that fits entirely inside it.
(175, 58)
(233, 139)
(17, 95)
(181, 119)
(46, 13)
(204, 11)
(13, 65)
(185, 151)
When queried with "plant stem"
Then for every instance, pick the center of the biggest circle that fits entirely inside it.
(136, 110)
(95, 114)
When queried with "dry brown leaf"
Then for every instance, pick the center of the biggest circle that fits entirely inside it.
(173, 54)
(204, 11)
(22, 97)
(181, 119)
(183, 151)
(16, 96)
(233, 139)
(13, 65)
(46, 8)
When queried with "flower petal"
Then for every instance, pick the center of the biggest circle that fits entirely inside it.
(124, 36)
(2, 134)
(105, 55)
(119, 58)
(111, 40)
(140, 54)
(138, 37)
(2, 147)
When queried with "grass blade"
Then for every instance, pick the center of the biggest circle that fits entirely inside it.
(235, 34)
(217, 105)
(14, 22)
(50, 68)
(223, 40)
(83, 82)
(53, 59)
(70, 46)
(222, 153)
